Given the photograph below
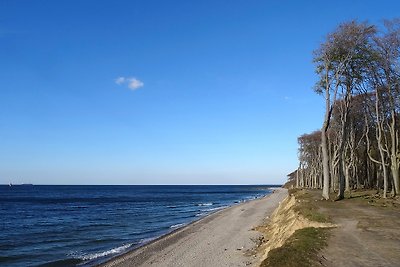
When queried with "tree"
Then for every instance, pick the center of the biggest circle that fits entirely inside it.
(358, 145)
(334, 65)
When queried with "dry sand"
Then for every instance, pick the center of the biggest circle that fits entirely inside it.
(220, 239)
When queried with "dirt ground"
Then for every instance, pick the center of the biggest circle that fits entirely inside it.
(368, 232)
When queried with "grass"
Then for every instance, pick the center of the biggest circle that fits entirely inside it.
(307, 206)
(374, 199)
(300, 249)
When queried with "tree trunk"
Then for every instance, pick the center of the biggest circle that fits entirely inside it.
(343, 140)
(379, 137)
(325, 164)
(393, 153)
(347, 178)
(324, 143)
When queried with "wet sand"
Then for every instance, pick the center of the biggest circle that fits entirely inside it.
(220, 239)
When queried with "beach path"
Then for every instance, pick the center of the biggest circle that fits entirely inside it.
(368, 232)
(221, 239)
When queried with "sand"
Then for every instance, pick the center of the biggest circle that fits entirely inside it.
(220, 239)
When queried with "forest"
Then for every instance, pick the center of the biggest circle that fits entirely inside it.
(357, 147)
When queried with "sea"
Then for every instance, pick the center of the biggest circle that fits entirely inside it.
(46, 225)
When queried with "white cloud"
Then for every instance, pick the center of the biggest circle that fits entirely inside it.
(120, 80)
(132, 82)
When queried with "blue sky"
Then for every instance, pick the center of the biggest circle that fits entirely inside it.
(161, 92)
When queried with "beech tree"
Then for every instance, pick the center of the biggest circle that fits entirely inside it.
(358, 145)
(309, 173)
(388, 51)
(336, 64)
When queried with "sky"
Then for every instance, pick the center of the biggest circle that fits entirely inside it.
(162, 92)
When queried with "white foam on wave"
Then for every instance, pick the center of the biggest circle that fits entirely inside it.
(217, 208)
(205, 204)
(177, 225)
(116, 250)
(147, 240)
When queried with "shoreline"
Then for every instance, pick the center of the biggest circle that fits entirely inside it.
(174, 230)
(101, 262)
(139, 256)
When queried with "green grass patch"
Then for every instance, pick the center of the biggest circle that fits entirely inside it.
(307, 206)
(310, 211)
(299, 250)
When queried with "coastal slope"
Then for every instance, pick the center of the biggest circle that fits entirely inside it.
(221, 239)
(360, 230)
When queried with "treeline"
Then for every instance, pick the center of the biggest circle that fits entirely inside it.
(358, 145)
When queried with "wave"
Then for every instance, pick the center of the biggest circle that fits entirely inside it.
(147, 240)
(217, 208)
(205, 204)
(116, 250)
(80, 216)
(177, 225)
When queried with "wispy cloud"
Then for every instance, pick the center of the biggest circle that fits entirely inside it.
(120, 80)
(132, 82)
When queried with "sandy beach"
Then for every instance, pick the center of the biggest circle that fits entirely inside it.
(220, 239)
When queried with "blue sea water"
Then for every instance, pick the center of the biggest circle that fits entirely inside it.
(85, 225)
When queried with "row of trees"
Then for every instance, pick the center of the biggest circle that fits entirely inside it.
(358, 145)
